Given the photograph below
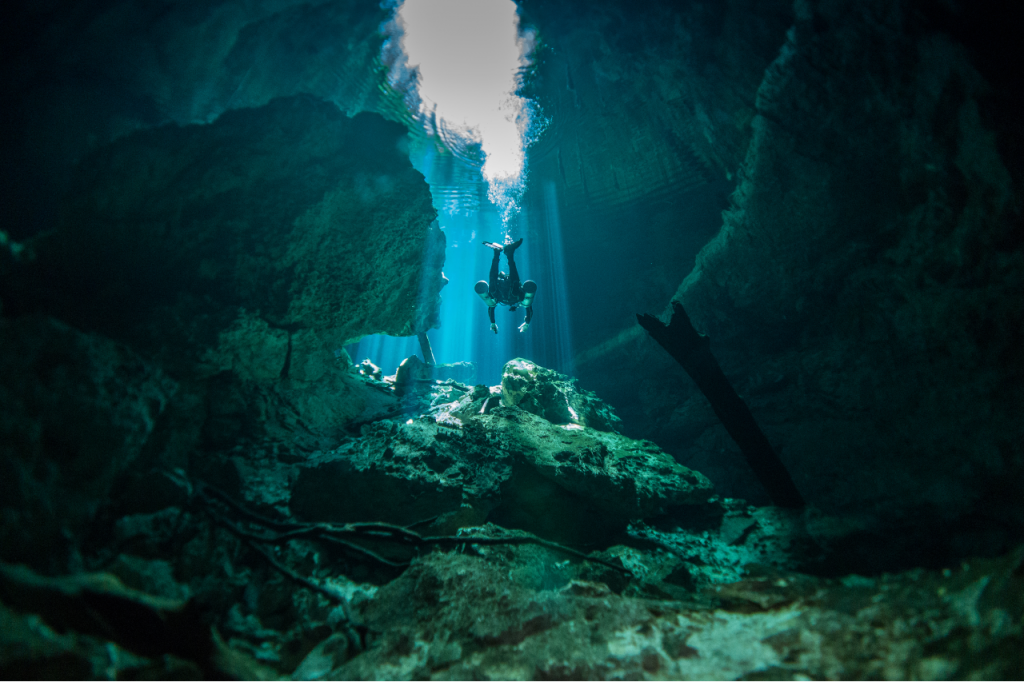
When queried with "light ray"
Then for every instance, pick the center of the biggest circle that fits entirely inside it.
(468, 57)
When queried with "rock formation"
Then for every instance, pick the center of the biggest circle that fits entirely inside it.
(229, 244)
(472, 456)
(554, 397)
(866, 268)
(209, 273)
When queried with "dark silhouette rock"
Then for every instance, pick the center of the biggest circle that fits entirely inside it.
(77, 410)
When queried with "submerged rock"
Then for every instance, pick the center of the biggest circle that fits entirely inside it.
(413, 370)
(564, 481)
(554, 397)
(862, 291)
(147, 635)
(515, 614)
(241, 256)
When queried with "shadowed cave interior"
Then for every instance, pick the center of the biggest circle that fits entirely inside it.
(224, 453)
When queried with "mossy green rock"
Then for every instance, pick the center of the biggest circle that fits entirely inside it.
(469, 461)
(554, 396)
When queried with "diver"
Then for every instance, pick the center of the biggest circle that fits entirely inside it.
(506, 289)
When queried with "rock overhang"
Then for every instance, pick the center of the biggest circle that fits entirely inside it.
(291, 215)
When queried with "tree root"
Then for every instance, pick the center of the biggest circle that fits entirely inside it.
(270, 532)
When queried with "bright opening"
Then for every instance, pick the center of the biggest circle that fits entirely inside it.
(469, 56)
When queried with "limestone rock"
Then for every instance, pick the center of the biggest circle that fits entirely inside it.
(31, 649)
(401, 473)
(564, 481)
(858, 294)
(514, 614)
(694, 75)
(178, 64)
(239, 255)
(554, 397)
(245, 243)
(99, 606)
(617, 476)
(848, 287)
(76, 411)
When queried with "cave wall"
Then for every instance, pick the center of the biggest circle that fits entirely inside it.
(868, 267)
(291, 213)
(861, 291)
(650, 110)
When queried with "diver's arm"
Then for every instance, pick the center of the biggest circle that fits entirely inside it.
(490, 314)
(529, 316)
(529, 291)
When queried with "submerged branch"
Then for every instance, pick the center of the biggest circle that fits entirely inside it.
(693, 352)
(346, 535)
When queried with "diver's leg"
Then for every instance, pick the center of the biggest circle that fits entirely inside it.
(513, 273)
(511, 248)
(492, 279)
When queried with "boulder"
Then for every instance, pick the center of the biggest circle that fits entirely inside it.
(554, 397)
(568, 481)
(578, 484)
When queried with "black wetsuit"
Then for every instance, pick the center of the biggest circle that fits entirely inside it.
(506, 290)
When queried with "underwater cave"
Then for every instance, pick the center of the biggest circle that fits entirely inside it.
(482, 339)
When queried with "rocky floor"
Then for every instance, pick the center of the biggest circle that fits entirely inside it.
(424, 547)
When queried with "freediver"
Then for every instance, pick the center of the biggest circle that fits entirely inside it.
(506, 289)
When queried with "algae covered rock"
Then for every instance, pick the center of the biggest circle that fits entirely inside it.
(553, 396)
(520, 613)
(401, 473)
(470, 456)
(618, 476)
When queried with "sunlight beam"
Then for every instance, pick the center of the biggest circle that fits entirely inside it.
(469, 56)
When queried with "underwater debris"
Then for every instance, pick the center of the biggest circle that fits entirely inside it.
(367, 369)
(264, 532)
